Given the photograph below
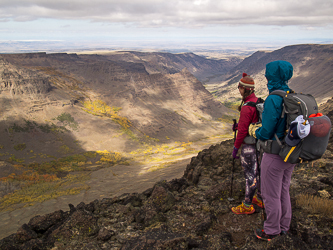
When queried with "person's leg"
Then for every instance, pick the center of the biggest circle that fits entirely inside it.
(249, 164)
(271, 184)
(286, 212)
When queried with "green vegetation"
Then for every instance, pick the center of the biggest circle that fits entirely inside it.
(64, 149)
(20, 147)
(51, 179)
(13, 158)
(38, 188)
(228, 118)
(31, 126)
(77, 162)
(67, 119)
(232, 105)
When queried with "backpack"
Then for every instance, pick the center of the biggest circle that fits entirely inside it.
(259, 105)
(314, 145)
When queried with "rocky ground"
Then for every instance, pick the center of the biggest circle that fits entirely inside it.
(192, 212)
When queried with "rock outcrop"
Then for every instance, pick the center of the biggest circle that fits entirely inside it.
(22, 81)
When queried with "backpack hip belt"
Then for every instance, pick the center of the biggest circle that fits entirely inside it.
(269, 146)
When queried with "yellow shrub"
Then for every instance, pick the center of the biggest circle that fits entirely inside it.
(101, 108)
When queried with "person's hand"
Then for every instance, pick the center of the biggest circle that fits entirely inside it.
(234, 153)
(253, 128)
(234, 126)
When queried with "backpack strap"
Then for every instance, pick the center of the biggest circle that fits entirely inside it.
(278, 140)
(282, 94)
(279, 92)
(254, 104)
(251, 104)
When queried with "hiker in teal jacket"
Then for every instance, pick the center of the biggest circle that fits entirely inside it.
(275, 173)
(277, 74)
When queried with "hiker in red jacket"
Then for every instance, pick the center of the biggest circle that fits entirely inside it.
(248, 115)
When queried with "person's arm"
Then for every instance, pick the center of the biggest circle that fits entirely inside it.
(245, 119)
(270, 118)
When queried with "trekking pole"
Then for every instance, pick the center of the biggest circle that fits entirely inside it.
(233, 166)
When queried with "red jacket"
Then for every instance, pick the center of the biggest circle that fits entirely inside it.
(248, 115)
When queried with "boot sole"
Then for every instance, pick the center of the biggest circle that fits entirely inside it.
(244, 212)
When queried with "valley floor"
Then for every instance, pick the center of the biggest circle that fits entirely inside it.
(135, 177)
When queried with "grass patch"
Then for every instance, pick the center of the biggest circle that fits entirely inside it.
(228, 118)
(43, 190)
(232, 105)
(64, 149)
(67, 119)
(315, 204)
(90, 154)
(48, 180)
(158, 167)
(77, 162)
(31, 126)
(20, 147)
(161, 166)
(13, 158)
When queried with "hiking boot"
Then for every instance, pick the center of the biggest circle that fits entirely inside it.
(242, 209)
(284, 232)
(260, 233)
(257, 202)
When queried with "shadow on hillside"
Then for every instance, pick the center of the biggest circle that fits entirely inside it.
(27, 141)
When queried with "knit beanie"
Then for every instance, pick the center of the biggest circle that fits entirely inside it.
(246, 82)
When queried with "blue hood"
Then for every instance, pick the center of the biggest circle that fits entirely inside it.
(278, 73)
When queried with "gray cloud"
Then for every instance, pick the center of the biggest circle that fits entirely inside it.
(180, 13)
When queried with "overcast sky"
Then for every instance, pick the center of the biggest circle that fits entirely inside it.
(170, 21)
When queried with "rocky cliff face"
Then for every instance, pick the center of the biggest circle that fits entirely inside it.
(20, 81)
(167, 63)
(192, 212)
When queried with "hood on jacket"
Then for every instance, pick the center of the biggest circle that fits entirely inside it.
(278, 73)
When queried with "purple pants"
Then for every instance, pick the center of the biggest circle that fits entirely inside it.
(275, 183)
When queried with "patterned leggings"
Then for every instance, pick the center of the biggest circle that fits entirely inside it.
(250, 167)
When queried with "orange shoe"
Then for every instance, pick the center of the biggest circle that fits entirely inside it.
(242, 209)
(257, 202)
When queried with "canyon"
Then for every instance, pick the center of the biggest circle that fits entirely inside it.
(70, 120)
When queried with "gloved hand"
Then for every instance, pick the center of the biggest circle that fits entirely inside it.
(234, 126)
(253, 128)
(234, 153)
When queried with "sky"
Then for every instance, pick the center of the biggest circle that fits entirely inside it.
(168, 22)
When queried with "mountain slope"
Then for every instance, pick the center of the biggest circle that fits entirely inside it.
(115, 98)
(313, 71)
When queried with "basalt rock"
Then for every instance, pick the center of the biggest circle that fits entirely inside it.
(184, 213)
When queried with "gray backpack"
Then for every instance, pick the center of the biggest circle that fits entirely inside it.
(314, 145)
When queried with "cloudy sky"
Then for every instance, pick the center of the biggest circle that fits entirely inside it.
(169, 21)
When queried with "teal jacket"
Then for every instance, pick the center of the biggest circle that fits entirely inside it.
(277, 74)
